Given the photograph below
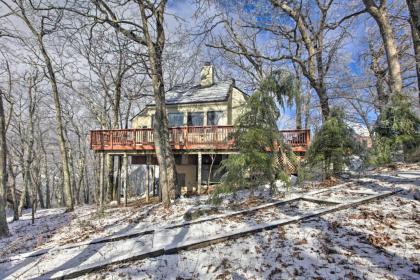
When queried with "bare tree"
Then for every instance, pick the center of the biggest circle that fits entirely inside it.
(150, 34)
(11, 176)
(4, 230)
(39, 31)
(380, 72)
(29, 140)
(379, 12)
(312, 34)
(311, 38)
(414, 9)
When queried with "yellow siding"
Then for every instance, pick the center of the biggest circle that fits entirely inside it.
(145, 118)
(232, 108)
(236, 105)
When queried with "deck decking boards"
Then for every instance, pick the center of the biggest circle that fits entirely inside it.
(188, 138)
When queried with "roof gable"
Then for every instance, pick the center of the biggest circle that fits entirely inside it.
(197, 94)
(218, 92)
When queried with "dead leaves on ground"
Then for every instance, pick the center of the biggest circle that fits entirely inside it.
(85, 229)
(380, 240)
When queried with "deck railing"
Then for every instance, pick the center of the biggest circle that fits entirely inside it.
(183, 138)
(296, 137)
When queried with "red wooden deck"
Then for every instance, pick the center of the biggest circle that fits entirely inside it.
(215, 138)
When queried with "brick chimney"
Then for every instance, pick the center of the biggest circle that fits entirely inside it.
(207, 75)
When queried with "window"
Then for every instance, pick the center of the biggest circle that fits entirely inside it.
(214, 117)
(195, 119)
(176, 119)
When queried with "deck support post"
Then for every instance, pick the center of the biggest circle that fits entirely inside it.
(101, 181)
(154, 191)
(200, 161)
(119, 180)
(147, 190)
(110, 176)
(125, 178)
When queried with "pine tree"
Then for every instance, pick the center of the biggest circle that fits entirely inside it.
(397, 127)
(257, 137)
(333, 145)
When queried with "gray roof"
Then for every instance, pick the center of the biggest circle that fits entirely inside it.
(197, 94)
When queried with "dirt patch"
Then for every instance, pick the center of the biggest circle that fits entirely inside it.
(283, 211)
(380, 240)
(194, 214)
(252, 201)
(341, 195)
(329, 183)
(141, 202)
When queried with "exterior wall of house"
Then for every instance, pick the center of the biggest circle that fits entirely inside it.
(186, 167)
(231, 108)
(145, 118)
(237, 102)
(190, 173)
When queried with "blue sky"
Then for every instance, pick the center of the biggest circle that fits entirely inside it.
(351, 49)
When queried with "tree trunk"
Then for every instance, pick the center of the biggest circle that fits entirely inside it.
(58, 114)
(27, 161)
(380, 75)
(110, 177)
(12, 179)
(298, 104)
(86, 186)
(323, 100)
(414, 8)
(81, 179)
(165, 157)
(167, 173)
(34, 203)
(213, 158)
(4, 229)
(380, 14)
(74, 187)
(60, 133)
(40, 196)
(298, 97)
(46, 171)
(47, 184)
(147, 182)
(306, 110)
(24, 197)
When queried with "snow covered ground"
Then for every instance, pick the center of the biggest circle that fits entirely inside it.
(378, 240)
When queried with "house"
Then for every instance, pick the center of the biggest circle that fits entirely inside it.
(361, 134)
(201, 120)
